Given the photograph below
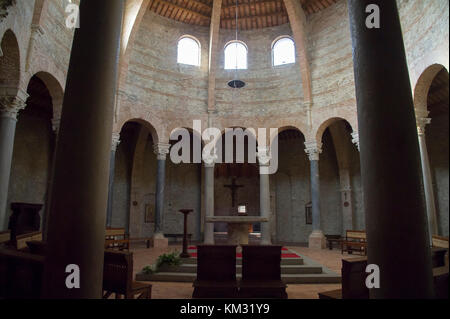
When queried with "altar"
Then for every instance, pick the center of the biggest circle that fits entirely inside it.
(238, 226)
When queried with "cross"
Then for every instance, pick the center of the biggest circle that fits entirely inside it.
(234, 187)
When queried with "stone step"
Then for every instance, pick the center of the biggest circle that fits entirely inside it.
(284, 261)
(285, 269)
(324, 278)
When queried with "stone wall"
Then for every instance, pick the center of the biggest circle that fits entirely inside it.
(33, 151)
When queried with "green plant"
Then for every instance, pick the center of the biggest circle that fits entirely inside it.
(148, 270)
(172, 259)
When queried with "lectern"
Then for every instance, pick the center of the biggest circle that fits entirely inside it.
(185, 253)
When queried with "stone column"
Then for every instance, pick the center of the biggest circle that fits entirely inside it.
(264, 193)
(161, 150)
(112, 165)
(76, 224)
(427, 178)
(317, 238)
(209, 162)
(396, 226)
(9, 108)
(346, 200)
(55, 126)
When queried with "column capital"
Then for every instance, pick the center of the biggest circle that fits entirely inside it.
(355, 139)
(115, 141)
(313, 149)
(161, 150)
(37, 29)
(264, 155)
(421, 124)
(209, 160)
(55, 124)
(10, 105)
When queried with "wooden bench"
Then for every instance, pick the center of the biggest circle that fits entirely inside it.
(116, 238)
(147, 240)
(353, 281)
(176, 237)
(216, 272)
(355, 240)
(21, 275)
(118, 277)
(261, 273)
(333, 239)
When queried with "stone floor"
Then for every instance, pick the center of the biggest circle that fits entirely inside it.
(177, 290)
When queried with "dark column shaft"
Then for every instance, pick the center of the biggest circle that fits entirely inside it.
(315, 194)
(396, 221)
(160, 185)
(112, 167)
(80, 190)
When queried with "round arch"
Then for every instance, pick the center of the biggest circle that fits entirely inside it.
(325, 124)
(55, 89)
(423, 86)
(147, 125)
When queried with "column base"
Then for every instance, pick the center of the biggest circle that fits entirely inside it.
(317, 240)
(159, 241)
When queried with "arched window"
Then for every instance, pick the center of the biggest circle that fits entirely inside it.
(235, 56)
(283, 51)
(189, 51)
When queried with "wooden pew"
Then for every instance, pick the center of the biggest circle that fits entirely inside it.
(216, 272)
(261, 273)
(353, 281)
(441, 242)
(118, 277)
(20, 242)
(21, 275)
(440, 282)
(116, 238)
(5, 237)
(355, 240)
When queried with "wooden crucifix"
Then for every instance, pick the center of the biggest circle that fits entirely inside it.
(233, 187)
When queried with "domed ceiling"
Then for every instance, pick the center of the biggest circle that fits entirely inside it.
(253, 14)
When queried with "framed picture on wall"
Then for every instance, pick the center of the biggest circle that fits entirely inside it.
(149, 214)
(308, 213)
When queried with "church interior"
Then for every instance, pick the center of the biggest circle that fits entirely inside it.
(347, 101)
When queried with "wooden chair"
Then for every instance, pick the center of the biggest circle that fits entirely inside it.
(261, 273)
(118, 277)
(216, 272)
(355, 240)
(333, 239)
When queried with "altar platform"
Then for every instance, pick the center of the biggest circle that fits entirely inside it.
(295, 269)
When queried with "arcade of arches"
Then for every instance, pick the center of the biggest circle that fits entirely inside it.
(81, 132)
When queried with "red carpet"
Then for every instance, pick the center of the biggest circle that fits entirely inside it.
(284, 253)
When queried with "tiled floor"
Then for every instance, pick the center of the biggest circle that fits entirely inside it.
(168, 290)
